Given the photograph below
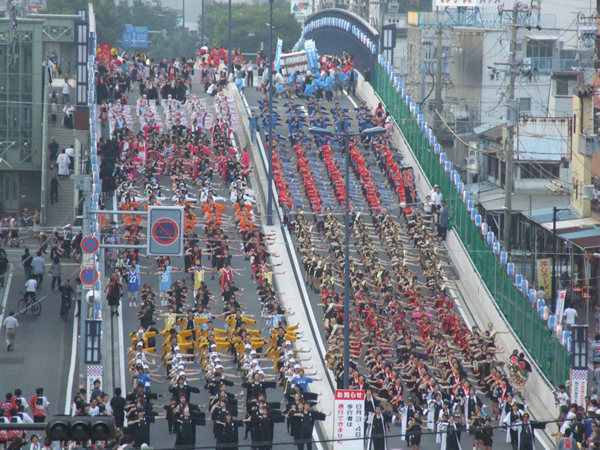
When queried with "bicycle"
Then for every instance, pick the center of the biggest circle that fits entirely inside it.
(28, 303)
(65, 307)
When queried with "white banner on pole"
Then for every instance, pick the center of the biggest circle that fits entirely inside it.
(560, 306)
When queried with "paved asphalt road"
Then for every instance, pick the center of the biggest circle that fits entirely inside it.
(42, 352)
(43, 348)
(252, 96)
(159, 433)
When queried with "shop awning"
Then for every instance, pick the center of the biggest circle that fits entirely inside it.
(494, 201)
(584, 239)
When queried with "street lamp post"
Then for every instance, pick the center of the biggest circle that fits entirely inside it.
(270, 124)
(182, 30)
(346, 136)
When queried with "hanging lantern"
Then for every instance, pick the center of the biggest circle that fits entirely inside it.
(490, 238)
(478, 220)
(459, 188)
(531, 296)
(510, 269)
(448, 167)
(437, 148)
(496, 248)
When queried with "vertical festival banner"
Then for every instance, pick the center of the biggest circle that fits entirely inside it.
(278, 55)
(408, 180)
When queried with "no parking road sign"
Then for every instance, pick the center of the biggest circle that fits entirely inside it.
(88, 277)
(90, 244)
(165, 236)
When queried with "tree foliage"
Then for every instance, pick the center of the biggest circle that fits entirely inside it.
(111, 18)
(250, 25)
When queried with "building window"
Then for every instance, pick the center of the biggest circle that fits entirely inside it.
(540, 49)
(525, 104)
(492, 169)
(538, 171)
(562, 86)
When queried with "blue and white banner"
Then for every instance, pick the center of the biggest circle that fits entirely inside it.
(278, 55)
(311, 54)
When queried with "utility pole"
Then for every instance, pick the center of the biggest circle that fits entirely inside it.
(438, 81)
(554, 250)
(182, 30)
(509, 139)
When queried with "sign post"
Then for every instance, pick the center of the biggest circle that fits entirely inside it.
(135, 37)
(579, 361)
(90, 244)
(348, 419)
(165, 231)
(88, 276)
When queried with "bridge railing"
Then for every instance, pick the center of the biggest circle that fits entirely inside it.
(515, 302)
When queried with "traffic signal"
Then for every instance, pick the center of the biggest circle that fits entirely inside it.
(81, 428)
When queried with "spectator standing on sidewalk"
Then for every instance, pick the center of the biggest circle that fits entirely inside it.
(11, 329)
(444, 215)
(68, 236)
(253, 124)
(26, 260)
(54, 186)
(39, 267)
(570, 314)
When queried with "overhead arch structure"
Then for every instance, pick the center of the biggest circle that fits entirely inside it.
(335, 31)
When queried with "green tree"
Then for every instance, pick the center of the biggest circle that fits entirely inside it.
(250, 25)
(111, 18)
